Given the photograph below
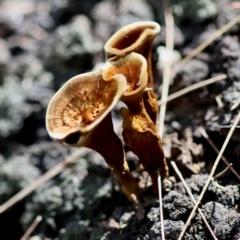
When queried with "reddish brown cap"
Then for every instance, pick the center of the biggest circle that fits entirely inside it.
(134, 68)
(80, 105)
(132, 38)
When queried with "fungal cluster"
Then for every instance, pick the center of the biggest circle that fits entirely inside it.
(79, 114)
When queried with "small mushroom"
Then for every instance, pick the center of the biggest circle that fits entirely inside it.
(79, 115)
(131, 66)
(139, 131)
(137, 37)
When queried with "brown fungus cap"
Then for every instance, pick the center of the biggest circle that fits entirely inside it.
(134, 68)
(132, 38)
(80, 105)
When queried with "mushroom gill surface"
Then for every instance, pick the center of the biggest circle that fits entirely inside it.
(81, 103)
(134, 66)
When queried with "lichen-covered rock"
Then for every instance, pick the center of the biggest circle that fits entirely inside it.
(177, 205)
(196, 184)
(24, 96)
(44, 155)
(73, 193)
(13, 107)
(221, 218)
(172, 229)
(153, 214)
(228, 196)
(105, 15)
(15, 174)
(139, 10)
(197, 11)
(236, 228)
(193, 72)
(223, 221)
(4, 58)
(75, 230)
(47, 202)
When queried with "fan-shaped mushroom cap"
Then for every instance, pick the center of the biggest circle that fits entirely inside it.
(135, 37)
(134, 68)
(80, 105)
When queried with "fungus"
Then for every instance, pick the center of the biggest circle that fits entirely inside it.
(139, 131)
(79, 115)
(137, 37)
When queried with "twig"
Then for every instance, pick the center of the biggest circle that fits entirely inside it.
(160, 205)
(236, 104)
(44, 178)
(193, 87)
(169, 22)
(192, 198)
(210, 175)
(222, 172)
(205, 135)
(206, 43)
(235, 5)
(219, 101)
(168, 64)
(26, 235)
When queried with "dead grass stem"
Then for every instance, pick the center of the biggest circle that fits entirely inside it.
(222, 172)
(169, 22)
(44, 178)
(29, 231)
(206, 43)
(211, 143)
(192, 198)
(210, 175)
(193, 87)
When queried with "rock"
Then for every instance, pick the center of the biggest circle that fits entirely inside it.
(177, 205)
(172, 229)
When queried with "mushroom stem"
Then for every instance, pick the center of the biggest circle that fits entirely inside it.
(135, 105)
(106, 142)
(139, 131)
(151, 105)
(140, 135)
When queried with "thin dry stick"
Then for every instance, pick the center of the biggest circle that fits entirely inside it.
(26, 235)
(205, 135)
(236, 104)
(193, 87)
(206, 43)
(169, 22)
(192, 198)
(210, 175)
(168, 64)
(219, 101)
(235, 5)
(222, 172)
(44, 178)
(160, 205)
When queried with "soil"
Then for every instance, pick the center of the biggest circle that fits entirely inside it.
(45, 43)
